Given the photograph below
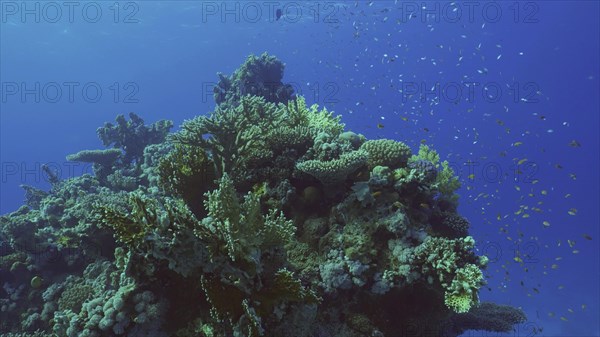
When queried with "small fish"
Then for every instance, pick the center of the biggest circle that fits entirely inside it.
(380, 126)
(278, 14)
(376, 194)
(546, 224)
(515, 144)
(587, 237)
(574, 143)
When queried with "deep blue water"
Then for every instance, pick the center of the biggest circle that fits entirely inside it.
(511, 81)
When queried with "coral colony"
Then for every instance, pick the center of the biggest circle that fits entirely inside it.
(265, 218)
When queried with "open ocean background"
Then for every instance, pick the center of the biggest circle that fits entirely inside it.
(508, 92)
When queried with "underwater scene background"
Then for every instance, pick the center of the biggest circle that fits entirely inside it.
(229, 205)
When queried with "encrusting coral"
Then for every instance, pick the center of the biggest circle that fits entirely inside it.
(264, 218)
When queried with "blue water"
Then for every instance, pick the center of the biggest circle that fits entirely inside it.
(514, 81)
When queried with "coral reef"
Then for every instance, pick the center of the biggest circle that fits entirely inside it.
(132, 135)
(258, 76)
(264, 218)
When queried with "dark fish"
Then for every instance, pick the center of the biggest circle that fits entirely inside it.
(278, 14)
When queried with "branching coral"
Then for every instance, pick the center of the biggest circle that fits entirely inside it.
(241, 228)
(133, 135)
(250, 141)
(455, 267)
(188, 172)
(258, 76)
(445, 181)
(313, 118)
(240, 288)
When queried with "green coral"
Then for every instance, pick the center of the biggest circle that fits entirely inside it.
(239, 228)
(232, 134)
(313, 118)
(257, 140)
(386, 152)
(286, 137)
(187, 172)
(129, 228)
(336, 170)
(240, 289)
(461, 295)
(456, 268)
(446, 181)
